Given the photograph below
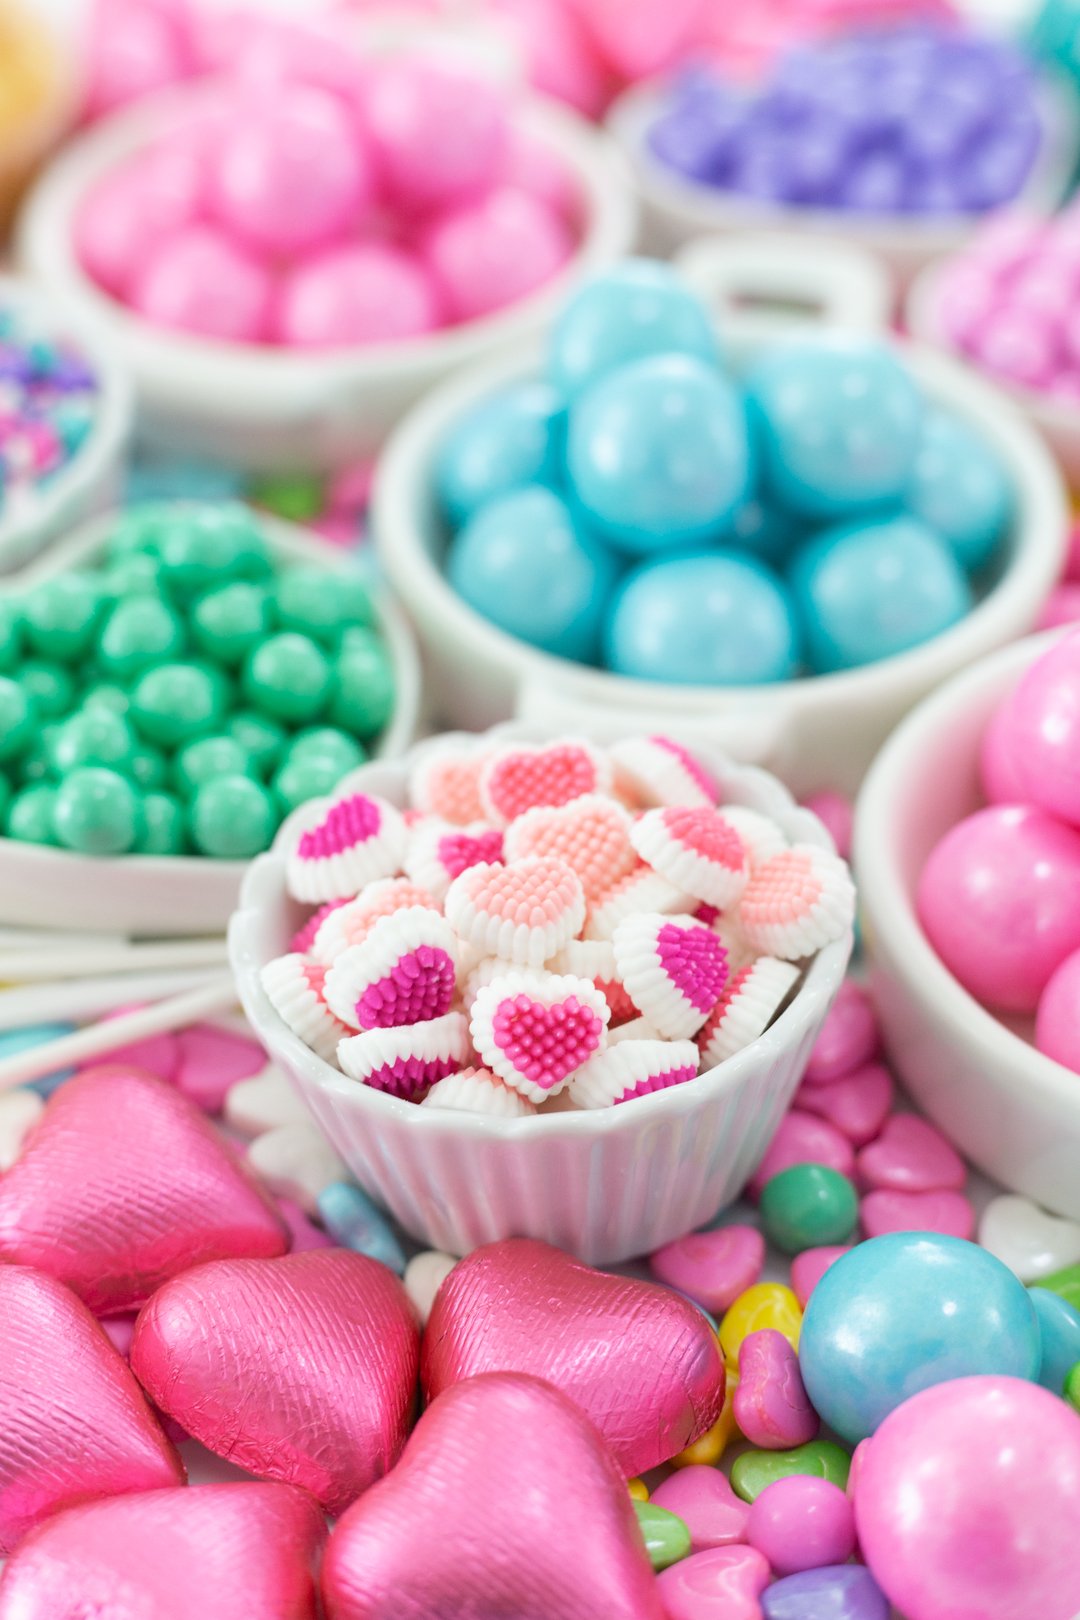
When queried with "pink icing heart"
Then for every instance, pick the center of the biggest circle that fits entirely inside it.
(546, 1041)
(858, 1105)
(519, 778)
(910, 1155)
(770, 1404)
(848, 1039)
(212, 1060)
(452, 1533)
(802, 1139)
(221, 1552)
(722, 1584)
(122, 1185)
(808, 1268)
(638, 1359)
(712, 1267)
(704, 1500)
(73, 1421)
(301, 1370)
(947, 1212)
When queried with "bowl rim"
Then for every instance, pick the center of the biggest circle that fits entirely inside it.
(890, 907)
(265, 880)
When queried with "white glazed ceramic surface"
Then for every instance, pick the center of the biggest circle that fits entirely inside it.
(605, 1184)
(264, 407)
(1013, 1111)
(151, 894)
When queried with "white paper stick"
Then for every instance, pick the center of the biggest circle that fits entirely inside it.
(39, 963)
(76, 999)
(40, 938)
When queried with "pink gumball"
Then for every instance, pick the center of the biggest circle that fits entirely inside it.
(132, 208)
(1057, 1021)
(560, 58)
(966, 1503)
(371, 293)
(487, 254)
(1045, 724)
(643, 38)
(997, 767)
(1020, 345)
(801, 1523)
(999, 898)
(1062, 606)
(439, 136)
(199, 281)
(1072, 560)
(969, 295)
(134, 47)
(530, 166)
(292, 173)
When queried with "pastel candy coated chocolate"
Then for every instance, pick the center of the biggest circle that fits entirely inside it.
(803, 1139)
(713, 1267)
(845, 1592)
(911, 1155)
(301, 1369)
(212, 1060)
(487, 1542)
(123, 1185)
(1027, 1239)
(802, 1523)
(848, 1039)
(666, 1536)
(765, 1305)
(73, 1422)
(424, 1276)
(296, 1161)
(754, 1471)
(857, 1105)
(808, 1268)
(722, 1584)
(770, 1403)
(638, 1359)
(223, 1552)
(705, 1502)
(947, 1212)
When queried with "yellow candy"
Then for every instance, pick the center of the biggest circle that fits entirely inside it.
(638, 1490)
(714, 1442)
(766, 1305)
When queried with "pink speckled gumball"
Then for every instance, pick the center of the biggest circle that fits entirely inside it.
(966, 1503)
(1061, 607)
(1019, 344)
(134, 47)
(801, 1523)
(999, 899)
(968, 296)
(439, 136)
(200, 282)
(494, 251)
(368, 293)
(645, 38)
(998, 771)
(532, 167)
(1057, 1021)
(560, 58)
(1045, 724)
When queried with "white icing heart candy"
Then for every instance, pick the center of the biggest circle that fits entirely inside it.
(696, 849)
(296, 989)
(407, 1060)
(749, 1003)
(351, 922)
(359, 838)
(674, 970)
(658, 770)
(641, 890)
(478, 1091)
(523, 913)
(797, 902)
(633, 1068)
(535, 1029)
(439, 852)
(405, 972)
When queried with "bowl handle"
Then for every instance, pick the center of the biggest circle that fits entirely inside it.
(766, 286)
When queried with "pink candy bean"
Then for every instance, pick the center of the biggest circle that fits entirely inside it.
(858, 1105)
(722, 1584)
(803, 1139)
(770, 1404)
(714, 1267)
(911, 1155)
(704, 1500)
(808, 1268)
(849, 1037)
(947, 1212)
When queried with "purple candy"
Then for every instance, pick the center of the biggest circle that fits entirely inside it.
(838, 1592)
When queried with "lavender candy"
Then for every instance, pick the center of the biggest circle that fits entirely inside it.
(837, 1592)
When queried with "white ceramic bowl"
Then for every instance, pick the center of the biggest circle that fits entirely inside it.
(817, 732)
(606, 1184)
(1013, 1111)
(264, 407)
(91, 479)
(157, 895)
(674, 209)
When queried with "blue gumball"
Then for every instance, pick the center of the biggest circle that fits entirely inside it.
(1059, 1331)
(838, 425)
(901, 1313)
(514, 438)
(764, 531)
(639, 308)
(526, 563)
(712, 619)
(959, 489)
(867, 591)
(658, 454)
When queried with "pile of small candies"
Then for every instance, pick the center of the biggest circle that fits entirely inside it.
(921, 121)
(317, 220)
(548, 920)
(643, 509)
(1008, 301)
(49, 399)
(999, 896)
(184, 692)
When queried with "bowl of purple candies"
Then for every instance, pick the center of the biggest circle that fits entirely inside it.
(894, 139)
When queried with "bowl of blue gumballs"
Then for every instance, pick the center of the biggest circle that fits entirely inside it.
(783, 542)
(895, 138)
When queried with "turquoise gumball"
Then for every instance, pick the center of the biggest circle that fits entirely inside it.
(900, 1313)
(526, 563)
(639, 308)
(658, 454)
(711, 619)
(1059, 1332)
(870, 590)
(959, 488)
(512, 439)
(763, 530)
(837, 423)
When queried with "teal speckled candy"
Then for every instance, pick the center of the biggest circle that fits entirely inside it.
(230, 623)
(514, 439)
(61, 616)
(30, 814)
(49, 686)
(637, 309)
(176, 703)
(232, 818)
(808, 1206)
(138, 634)
(97, 812)
(289, 678)
(163, 830)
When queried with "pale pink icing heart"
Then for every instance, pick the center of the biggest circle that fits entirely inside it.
(848, 1039)
(858, 1105)
(219, 1552)
(123, 1184)
(770, 1404)
(712, 1267)
(724, 1583)
(947, 1212)
(546, 1041)
(802, 1139)
(911, 1155)
(637, 1358)
(520, 778)
(453, 1533)
(301, 1370)
(212, 1060)
(808, 1268)
(704, 1500)
(592, 835)
(445, 785)
(73, 1422)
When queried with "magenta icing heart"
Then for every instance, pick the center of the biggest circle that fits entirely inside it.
(518, 778)
(438, 852)
(359, 838)
(673, 969)
(633, 1068)
(534, 1030)
(405, 1061)
(404, 972)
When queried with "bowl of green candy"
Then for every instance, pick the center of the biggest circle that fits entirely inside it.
(174, 680)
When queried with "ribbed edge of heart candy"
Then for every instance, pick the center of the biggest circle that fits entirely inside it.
(535, 1029)
(762, 838)
(673, 968)
(523, 913)
(658, 770)
(641, 890)
(747, 1007)
(406, 1061)
(633, 1069)
(295, 988)
(351, 921)
(358, 839)
(595, 959)
(729, 931)
(517, 779)
(797, 902)
(304, 937)
(404, 972)
(444, 783)
(592, 835)
(438, 853)
(478, 1091)
(696, 849)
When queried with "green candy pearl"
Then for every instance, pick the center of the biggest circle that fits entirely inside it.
(61, 616)
(262, 739)
(289, 678)
(30, 815)
(323, 741)
(104, 695)
(136, 575)
(208, 758)
(6, 793)
(299, 780)
(11, 633)
(97, 812)
(821, 1459)
(18, 721)
(808, 1206)
(163, 830)
(36, 765)
(320, 604)
(94, 737)
(227, 624)
(296, 498)
(138, 634)
(232, 818)
(176, 703)
(202, 547)
(135, 529)
(49, 687)
(148, 767)
(364, 700)
(666, 1537)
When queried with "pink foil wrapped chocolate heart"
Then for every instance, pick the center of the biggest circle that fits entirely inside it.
(219, 1552)
(452, 1533)
(123, 1184)
(73, 1422)
(301, 1370)
(637, 1358)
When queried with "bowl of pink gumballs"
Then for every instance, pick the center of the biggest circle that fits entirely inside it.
(967, 845)
(283, 267)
